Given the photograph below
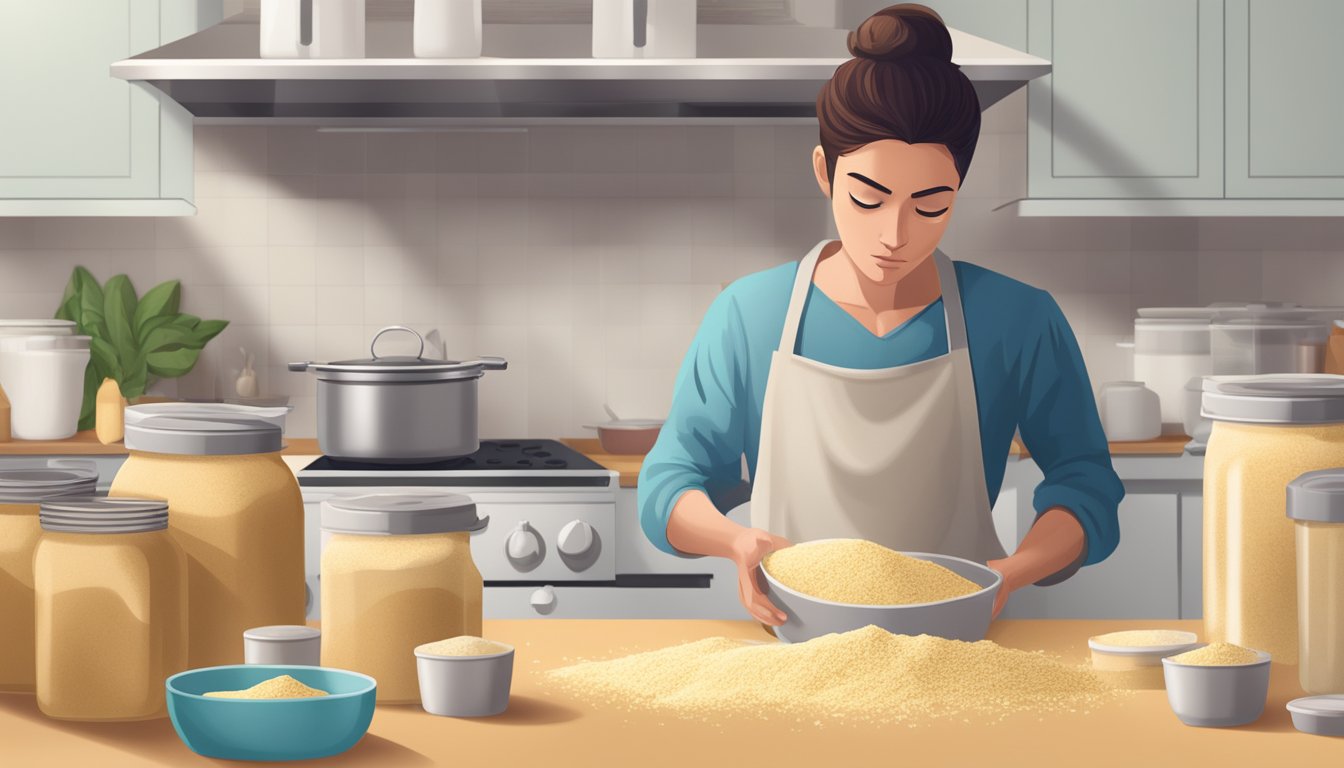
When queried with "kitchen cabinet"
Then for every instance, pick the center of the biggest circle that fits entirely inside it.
(1003, 21)
(1192, 555)
(1285, 102)
(75, 140)
(1133, 106)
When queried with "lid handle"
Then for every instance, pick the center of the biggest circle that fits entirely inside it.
(374, 344)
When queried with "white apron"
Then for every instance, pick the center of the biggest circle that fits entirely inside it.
(890, 455)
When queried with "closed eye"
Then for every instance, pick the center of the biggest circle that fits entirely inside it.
(862, 204)
(931, 214)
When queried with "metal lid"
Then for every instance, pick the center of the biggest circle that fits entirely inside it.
(1279, 398)
(103, 515)
(401, 514)
(1317, 496)
(282, 633)
(400, 369)
(32, 485)
(200, 436)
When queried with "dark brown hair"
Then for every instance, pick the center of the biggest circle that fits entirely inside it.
(901, 84)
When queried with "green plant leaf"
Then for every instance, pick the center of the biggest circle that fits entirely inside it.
(168, 338)
(119, 310)
(151, 325)
(104, 358)
(90, 320)
(135, 374)
(87, 408)
(160, 301)
(186, 321)
(209, 329)
(173, 363)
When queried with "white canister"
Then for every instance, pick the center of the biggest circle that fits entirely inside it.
(43, 377)
(1129, 411)
(1168, 352)
(285, 644)
(446, 29)
(312, 29)
(643, 29)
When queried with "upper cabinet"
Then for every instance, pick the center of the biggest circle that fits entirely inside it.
(75, 141)
(1285, 99)
(1185, 108)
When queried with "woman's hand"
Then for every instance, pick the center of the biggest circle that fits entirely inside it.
(747, 549)
(1055, 542)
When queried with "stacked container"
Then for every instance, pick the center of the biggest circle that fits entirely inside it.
(1316, 506)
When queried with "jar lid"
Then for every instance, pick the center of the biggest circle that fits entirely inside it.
(401, 513)
(282, 633)
(1280, 398)
(1322, 715)
(32, 485)
(200, 436)
(103, 515)
(1317, 496)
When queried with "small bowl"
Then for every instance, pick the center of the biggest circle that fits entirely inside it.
(960, 618)
(1136, 667)
(465, 686)
(1319, 715)
(628, 437)
(270, 729)
(1219, 697)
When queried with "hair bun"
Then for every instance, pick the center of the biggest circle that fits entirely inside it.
(902, 31)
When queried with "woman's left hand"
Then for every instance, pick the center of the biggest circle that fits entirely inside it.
(1011, 572)
(1055, 542)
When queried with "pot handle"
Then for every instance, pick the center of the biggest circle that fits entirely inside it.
(373, 344)
(490, 363)
(299, 367)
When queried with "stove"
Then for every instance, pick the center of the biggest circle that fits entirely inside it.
(563, 538)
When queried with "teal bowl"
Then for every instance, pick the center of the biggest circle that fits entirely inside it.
(270, 729)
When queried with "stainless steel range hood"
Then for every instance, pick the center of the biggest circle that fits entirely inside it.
(528, 72)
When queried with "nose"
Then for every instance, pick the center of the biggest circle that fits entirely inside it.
(893, 234)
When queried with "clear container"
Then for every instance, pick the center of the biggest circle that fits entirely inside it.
(111, 609)
(1268, 345)
(1316, 506)
(237, 513)
(397, 573)
(22, 490)
(1267, 431)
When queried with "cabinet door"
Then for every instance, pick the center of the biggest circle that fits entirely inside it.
(1285, 99)
(1140, 580)
(1133, 107)
(1192, 556)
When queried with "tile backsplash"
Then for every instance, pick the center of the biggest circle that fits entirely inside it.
(587, 255)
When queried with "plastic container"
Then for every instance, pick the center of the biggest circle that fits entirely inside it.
(447, 29)
(465, 686)
(1135, 667)
(961, 618)
(397, 573)
(1129, 411)
(22, 490)
(111, 609)
(1257, 345)
(1171, 346)
(1319, 715)
(43, 377)
(1222, 696)
(1267, 431)
(285, 644)
(238, 514)
(312, 29)
(275, 729)
(1316, 507)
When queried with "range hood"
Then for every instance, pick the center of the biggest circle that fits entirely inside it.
(528, 71)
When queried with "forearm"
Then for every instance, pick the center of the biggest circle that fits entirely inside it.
(1055, 542)
(697, 527)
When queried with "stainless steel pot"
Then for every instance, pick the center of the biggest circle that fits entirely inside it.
(398, 410)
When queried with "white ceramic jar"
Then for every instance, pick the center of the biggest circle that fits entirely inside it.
(43, 377)
(1129, 411)
(312, 29)
(644, 29)
(446, 29)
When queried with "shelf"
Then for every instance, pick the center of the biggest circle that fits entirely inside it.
(1190, 208)
(98, 207)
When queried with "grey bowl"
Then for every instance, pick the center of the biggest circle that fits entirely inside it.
(961, 618)
(465, 686)
(1217, 697)
(1321, 715)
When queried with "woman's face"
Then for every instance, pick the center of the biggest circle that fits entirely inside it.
(891, 202)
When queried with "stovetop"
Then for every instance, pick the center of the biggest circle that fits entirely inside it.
(497, 463)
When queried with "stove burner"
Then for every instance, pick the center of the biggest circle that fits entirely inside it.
(541, 455)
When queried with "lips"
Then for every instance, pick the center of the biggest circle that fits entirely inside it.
(889, 260)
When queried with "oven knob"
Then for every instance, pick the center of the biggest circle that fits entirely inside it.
(523, 544)
(543, 600)
(576, 538)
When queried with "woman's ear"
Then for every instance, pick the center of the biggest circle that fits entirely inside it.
(819, 169)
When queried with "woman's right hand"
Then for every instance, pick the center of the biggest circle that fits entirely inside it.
(748, 548)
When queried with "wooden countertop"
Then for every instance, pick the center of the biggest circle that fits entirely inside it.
(1166, 445)
(627, 465)
(86, 444)
(544, 727)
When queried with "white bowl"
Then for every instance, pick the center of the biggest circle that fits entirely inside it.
(1217, 696)
(960, 618)
(465, 686)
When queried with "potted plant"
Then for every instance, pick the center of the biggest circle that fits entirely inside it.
(135, 341)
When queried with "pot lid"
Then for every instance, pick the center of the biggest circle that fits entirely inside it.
(31, 485)
(400, 368)
(200, 436)
(1281, 398)
(104, 515)
(1317, 496)
(395, 514)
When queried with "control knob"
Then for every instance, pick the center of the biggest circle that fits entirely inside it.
(576, 539)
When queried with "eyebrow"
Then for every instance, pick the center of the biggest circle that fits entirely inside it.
(930, 191)
(871, 183)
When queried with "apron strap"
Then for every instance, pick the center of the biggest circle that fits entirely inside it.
(947, 279)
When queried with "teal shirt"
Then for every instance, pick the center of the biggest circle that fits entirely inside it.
(1028, 372)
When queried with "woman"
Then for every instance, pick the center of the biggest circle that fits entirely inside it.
(875, 387)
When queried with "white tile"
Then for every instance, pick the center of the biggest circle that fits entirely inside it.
(800, 223)
(338, 152)
(217, 184)
(661, 149)
(339, 305)
(458, 307)
(16, 233)
(458, 264)
(503, 305)
(458, 227)
(456, 184)
(675, 304)
(641, 392)
(243, 265)
(550, 223)
(586, 305)
(1164, 278)
(506, 187)
(1012, 169)
(217, 223)
(550, 304)
(247, 304)
(455, 152)
(501, 266)
(400, 152)
(302, 420)
(383, 305)
(502, 151)
(93, 233)
(665, 345)
(665, 265)
(982, 179)
(384, 265)
(340, 221)
(753, 149)
(604, 149)
(501, 225)
(292, 265)
(624, 346)
(754, 221)
(1313, 278)
(339, 265)
(1105, 361)
(549, 265)
(550, 149)
(1232, 276)
(291, 150)
(710, 148)
(230, 148)
(293, 305)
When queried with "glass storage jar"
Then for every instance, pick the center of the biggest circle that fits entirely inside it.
(111, 609)
(397, 572)
(1316, 506)
(22, 489)
(1267, 431)
(237, 513)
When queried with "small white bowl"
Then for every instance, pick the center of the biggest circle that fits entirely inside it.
(465, 686)
(1217, 696)
(1136, 667)
(283, 644)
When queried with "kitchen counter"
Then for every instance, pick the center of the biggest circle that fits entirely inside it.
(86, 444)
(548, 728)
